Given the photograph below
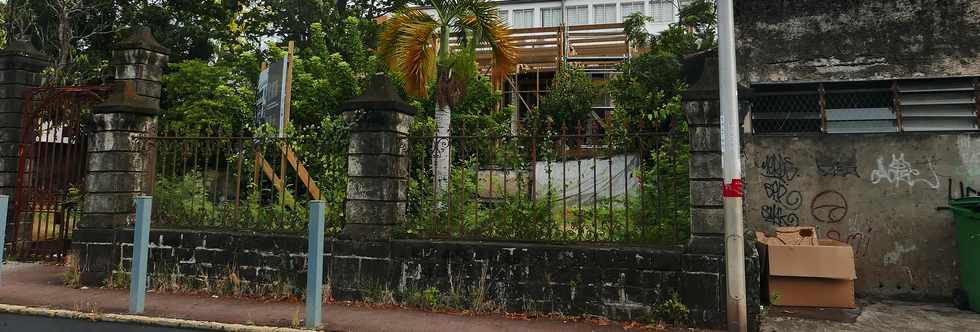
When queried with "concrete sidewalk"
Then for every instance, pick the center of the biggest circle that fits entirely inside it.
(882, 316)
(37, 285)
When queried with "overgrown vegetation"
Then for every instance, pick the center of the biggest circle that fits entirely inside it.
(118, 278)
(209, 87)
(473, 299)
(672, 310)
(568, 102)
(165, 278)
(72, 277)
(184, 201)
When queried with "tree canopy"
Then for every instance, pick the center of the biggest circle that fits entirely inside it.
(651, 83)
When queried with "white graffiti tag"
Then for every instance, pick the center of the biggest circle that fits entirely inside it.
(901, 172)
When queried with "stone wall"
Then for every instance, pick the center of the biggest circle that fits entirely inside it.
(781, 40)
(882, 194)
(622, 283)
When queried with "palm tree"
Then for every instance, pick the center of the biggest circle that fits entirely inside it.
(416, 47)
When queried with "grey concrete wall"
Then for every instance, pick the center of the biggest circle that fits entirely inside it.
(824, 40)
(879, 193)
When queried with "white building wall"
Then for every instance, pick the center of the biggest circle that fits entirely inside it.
(648, 10)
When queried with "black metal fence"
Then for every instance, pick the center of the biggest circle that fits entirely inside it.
(241, 184)
(597, 185)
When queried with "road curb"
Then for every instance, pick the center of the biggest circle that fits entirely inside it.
(141, 320)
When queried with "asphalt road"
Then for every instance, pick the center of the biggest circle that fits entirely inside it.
(19, 323)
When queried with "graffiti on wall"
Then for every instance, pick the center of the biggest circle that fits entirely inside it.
(964, 190)
(840, 166)
(778, 172)
(900, 172)
(829, 207)
(859, 241)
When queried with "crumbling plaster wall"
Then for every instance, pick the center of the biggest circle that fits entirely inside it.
(885, 195)
(798, 40)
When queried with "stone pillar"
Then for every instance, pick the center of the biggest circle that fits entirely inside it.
(702, 107)
(120, 165)
(377, 161)
(20, 70)
(140, 59)
(116, 158)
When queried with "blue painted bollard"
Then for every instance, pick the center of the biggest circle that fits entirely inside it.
(141, 244)
(314, 275)
(4, 202)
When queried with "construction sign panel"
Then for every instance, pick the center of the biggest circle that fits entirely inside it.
(271, 96)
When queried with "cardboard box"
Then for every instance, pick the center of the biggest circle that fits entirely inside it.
(797, 236)
(804, 275)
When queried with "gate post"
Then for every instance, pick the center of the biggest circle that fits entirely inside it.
(120, 166)
(20, 70)
(377, 161)
(702, 106)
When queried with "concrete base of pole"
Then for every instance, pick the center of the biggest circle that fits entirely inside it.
(735, 265)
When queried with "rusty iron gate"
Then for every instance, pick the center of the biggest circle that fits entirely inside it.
(51, 169)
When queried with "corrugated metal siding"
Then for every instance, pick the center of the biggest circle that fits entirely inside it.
(938, 105)
(861, 120)
(874, 106)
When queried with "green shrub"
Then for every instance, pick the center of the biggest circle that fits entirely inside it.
(672, 311)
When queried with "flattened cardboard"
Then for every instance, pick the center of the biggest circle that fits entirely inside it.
(831, 259)
(795, 236)
(811, 292)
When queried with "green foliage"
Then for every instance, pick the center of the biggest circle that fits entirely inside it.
(775, 297)
(652, 82)
(72, 277)
(426, 299)
(634, 27)
(118, 278)
(204, 99)
(477, 205)
(672, 310)
(474, 114)
(570, 100)
(649, 88)
(323, 149)
(218, 99)
(320, 85)
(473, 299)
(183, 201)
(701, 18)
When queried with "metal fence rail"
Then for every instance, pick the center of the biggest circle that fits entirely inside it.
(237, 183)
(564, 185)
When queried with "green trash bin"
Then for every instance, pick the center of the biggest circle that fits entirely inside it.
(966, 213)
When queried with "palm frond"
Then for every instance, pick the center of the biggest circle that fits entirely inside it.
(492, 32)
(416, 52)
(388, 39)
(407, 46)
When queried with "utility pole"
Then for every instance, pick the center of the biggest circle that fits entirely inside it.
(731, 169)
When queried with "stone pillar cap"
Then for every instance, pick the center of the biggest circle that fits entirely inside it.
(380, 95)
(142, 38)
(124, 99)
(701, 75)
(21, 47)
